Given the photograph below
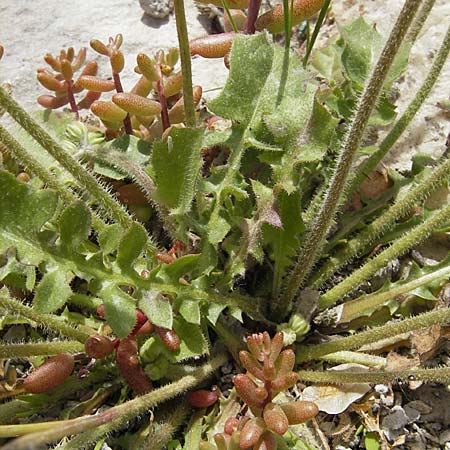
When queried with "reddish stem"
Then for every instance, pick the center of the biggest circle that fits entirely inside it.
(73, 103)
(252, 15)
(119, 88)
(162, 100)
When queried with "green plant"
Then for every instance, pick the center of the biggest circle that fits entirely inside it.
(245, 213)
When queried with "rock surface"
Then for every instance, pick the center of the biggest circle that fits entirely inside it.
(28, 30)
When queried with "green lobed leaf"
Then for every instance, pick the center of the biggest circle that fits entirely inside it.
(189, 309)
(120, 310)
(53, 291)
(157, 308)
(109, 238)
(362, 46)
(284, 241)
(75, 225)
(24, 211)
(250, 64)
(136, 150)
(176, 165)
(192, 341)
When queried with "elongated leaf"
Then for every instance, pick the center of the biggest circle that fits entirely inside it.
(157, 308)
(176, 165)
(74, 225)
(192, 341)
(131, 246)
(120, 310)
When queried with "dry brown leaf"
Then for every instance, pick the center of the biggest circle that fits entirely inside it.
(427, 341)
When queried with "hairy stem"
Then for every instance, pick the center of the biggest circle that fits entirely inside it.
(107, 203)
(164, 427)
(185, 58)
(366, 304)
(402, 208)
(39, 434)
(355, 358)
(43, 320)
(419, 21)
(400, 126)
(436, 375)
(319, 229)
(435, 317)
(39, 349)
(20, 154)
(399, 248)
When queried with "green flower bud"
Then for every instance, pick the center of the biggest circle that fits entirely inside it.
(151, 350)
(158, 368)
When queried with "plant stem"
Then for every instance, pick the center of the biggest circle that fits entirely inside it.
(38, 434)
(194, 433)
(72, 102)
(163, 102)
(43, 320)
(320, 19)
(355, 358)
(419, 21)
(366, 304)
(107, 203)
(252, 15)
(39, 349)
(435, 317)
(436, 375)
(400, 247)
(229, 15)
(402, 208)
(119, 89)
(185, 58)
(18, 152)
(163, 430)
(400, 126)
(319, 229)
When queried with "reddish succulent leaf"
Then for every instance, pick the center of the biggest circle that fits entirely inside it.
(50, 374)
(202, 398)
(251, 432)
(212, 45)
(130, 367)
(97, 346)
(299, 411)
(275, 418)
